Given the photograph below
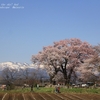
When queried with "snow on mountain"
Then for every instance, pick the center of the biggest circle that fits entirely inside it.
(16, 65)
(23, 66)
(13, 65)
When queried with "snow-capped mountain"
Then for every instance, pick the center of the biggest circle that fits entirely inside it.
(21, 67)
(18, 66)
(12, 65)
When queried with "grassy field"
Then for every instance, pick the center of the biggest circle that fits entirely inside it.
(52, 90)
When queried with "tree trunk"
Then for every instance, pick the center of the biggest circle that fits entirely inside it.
(51, 77)
(67, 82)
(67, 77)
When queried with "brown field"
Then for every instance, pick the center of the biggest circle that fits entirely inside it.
(48, 96)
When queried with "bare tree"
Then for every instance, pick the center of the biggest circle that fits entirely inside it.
(10, 74)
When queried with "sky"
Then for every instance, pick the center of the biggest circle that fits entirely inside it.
(26, 26)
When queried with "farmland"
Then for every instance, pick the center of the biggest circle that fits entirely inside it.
(48, 96)
(44, 93)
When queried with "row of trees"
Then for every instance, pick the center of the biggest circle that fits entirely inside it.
(70, 59)
(19, 77)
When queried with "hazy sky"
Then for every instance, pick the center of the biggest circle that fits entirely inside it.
(28, 25)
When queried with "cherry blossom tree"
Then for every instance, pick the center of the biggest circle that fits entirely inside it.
(64, 56)
(96, 58)
(90, 70)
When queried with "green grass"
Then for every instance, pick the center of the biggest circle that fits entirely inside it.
(52, 90)
(80, 90)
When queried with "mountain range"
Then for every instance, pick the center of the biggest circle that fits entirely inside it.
(24, 68)
(18, 66)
